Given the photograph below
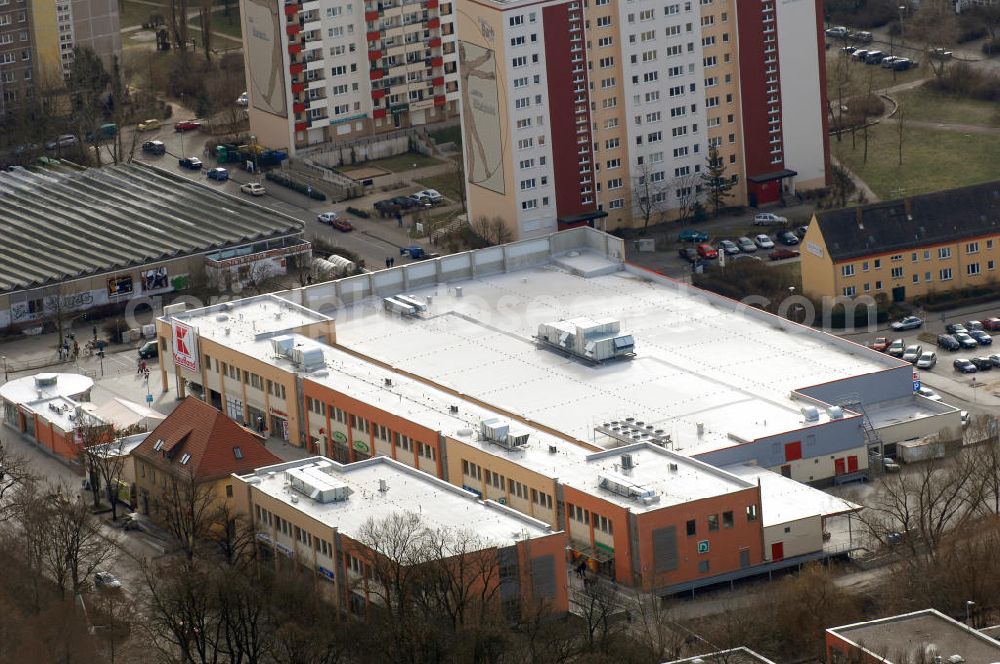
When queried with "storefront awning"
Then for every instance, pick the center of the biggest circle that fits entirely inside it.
(601, 555)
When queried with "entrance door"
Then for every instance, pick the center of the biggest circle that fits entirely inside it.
(899, 293)
(838, 466)
(777, 551)
(852, 464)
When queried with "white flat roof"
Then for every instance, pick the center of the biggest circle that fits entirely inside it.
(784, 500)
(437, 503)
(26, 390)
(697, 361)
(243, 321)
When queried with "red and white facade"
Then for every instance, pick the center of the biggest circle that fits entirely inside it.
(596, 98)
(347, 68)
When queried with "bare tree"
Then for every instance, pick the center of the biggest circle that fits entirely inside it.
(650, 194)
(598, 603)
(190, 508)
(183, 621)
(15, 473)
(717, 183)
(900, 127)
(936, 26)
(491, 231)
(102, 452)
(234, 535)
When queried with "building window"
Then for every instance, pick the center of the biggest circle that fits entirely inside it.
(703, 566)
(864, 266)
(897, 273)
(847, 271)
(916, 278)
(850, 291)
(990, 265)
(972, 269)
(944, 252)
(878, 263)
(751, 512)
(713, 522)
(692, 527)
(972, 248)
(878, 285)
(727, 519)
(945, 274)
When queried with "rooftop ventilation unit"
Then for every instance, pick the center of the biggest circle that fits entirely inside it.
(836, 412)
(308, 356)
(623, 486)
(810, 413)
(629, 431)
(498, 431)
(282, 345)
(313, 483)
(591, 340)
(412, 301)
(627, 462)
(388, 382)
(398, 306)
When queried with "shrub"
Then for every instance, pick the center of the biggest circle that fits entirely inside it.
(358, 213)
(961, 79)
(285, 181)
(991, 47)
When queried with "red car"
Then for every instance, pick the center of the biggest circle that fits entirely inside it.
(881, 344)
(187, 125)
(707, 251)
(992, 324)
(342, 224)
(781, 254)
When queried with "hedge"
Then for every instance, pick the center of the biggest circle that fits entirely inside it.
(295, 185)
(358, 213)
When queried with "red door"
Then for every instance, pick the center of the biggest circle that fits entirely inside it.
(852, 464)
(838, 466)
(777, 551)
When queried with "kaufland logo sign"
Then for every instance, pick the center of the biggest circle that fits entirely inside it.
(185, 346)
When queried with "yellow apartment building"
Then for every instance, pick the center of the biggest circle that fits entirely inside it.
(907, 248)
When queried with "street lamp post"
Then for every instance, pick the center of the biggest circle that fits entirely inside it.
(902, 33)
(968, 612)
(5, 379)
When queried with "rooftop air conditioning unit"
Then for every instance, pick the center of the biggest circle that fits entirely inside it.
(836, 412)
(627, 462)
(810, 413)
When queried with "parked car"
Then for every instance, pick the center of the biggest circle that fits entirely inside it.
(954, 328)
(948, 342)
(995, 359)
(848, 49)
(707, 251)
(928, 393)
(326, 217)
(154, 147)
(420, 200)
(837, 31)
(148, 125)
(384, 205)
(788, 238)
(728, 247)
(881, 344)
(431, 194)
(890, 466)
(888, 60)
(973, 325)
(64, 141)
(965, 417)
(927, 360)
(940, 54)
(860, 54)
(106, 580)
(902, 64)
(983, 338)
(243, 100)
(192, 163)
(690, 254)
(763, 241)
(964, 366)
(896, 348)
(746, 257)
(218, 173)
(801, 231)
(187, 125)
(982, 363)
(746, 245)
(913, 353)
(342, 225)
(862, 36)
(253, 188)
(874, 57)
(405, 202)
(908, 323)
(768, 219)
(692, 236)
(782, 254)
(149, 350)
(991, 324)
(965, 340)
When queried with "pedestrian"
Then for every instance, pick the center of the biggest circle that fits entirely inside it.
(392, 261)
(138, 366)
(95, 333)
(388, 262)
(76, 349)
(61, 353)
(145, 373)
(399, 220)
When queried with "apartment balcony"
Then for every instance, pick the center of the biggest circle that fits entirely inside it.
(316, 83)
(293, 29)
(312, 5)
(291, 10)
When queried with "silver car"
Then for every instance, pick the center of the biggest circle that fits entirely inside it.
(927, 360)
(912, 353)
(746, 245)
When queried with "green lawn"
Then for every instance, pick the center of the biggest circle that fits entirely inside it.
(228, 26)
(933, 159)
(448, 135)
(929, 106)
(446, 184)
(402, 163)
(134, 13)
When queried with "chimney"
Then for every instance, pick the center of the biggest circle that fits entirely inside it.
(859, 215)
(383, 486)
(908, 206)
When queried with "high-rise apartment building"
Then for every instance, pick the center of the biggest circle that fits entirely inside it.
(582, 110)
(37, 41)
(332, 70)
